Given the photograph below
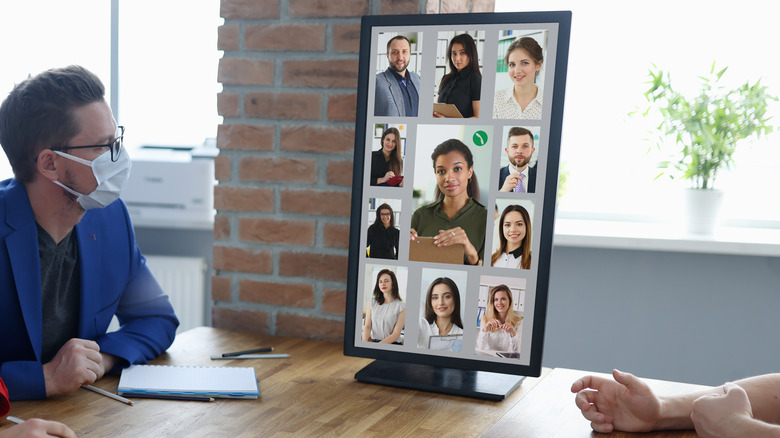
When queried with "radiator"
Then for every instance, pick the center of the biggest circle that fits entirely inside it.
(182, 278)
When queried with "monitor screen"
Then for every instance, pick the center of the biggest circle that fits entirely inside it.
(455, 178)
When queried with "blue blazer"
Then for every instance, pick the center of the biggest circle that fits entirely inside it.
(388, 97)
(531, 178)
(114, 280)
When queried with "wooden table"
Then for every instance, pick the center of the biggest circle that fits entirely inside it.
(312, 393)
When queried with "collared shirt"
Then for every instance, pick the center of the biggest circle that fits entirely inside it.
(513, 259)
(411, 99)
(462, 89)
(472, 218)
(524, 179)
(506, 107)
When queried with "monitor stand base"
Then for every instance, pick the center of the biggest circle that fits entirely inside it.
(483, 385)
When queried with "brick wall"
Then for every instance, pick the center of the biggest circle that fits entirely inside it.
(284, 170)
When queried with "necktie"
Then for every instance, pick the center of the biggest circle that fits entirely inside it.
(519, 187)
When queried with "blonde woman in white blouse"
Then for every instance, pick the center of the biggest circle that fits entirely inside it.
(502, 328)
(524, 59)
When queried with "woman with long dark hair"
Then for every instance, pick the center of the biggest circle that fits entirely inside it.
(456, 216)
(502, 328)
(387, 163)
(387, 312)
(462, 86)
(442, 311)
(514, 237)
(383, 236)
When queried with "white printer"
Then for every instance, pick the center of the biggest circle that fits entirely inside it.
(171, 187)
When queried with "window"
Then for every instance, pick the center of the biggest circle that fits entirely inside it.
(611, 157)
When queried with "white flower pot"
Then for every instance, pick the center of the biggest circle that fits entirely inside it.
(702, 210)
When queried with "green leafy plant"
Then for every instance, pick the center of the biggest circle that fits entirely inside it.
(708, 126)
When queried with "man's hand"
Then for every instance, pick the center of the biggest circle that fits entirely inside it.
(36, 427)
(625, 404)
(78, 362)
(510, 183)
(728, 414)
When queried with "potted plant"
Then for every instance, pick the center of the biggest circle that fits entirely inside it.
(707, 129)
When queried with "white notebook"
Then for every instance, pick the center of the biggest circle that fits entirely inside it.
(221, 382)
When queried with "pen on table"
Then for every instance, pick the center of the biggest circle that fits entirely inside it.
(193, 397)
(252, 356)
(256, 350)
(108, 394)
(13, 419)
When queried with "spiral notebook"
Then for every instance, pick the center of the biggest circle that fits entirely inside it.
(220, 382)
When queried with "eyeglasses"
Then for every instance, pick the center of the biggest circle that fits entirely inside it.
(115, 146)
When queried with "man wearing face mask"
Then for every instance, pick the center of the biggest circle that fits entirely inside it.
(68, 257)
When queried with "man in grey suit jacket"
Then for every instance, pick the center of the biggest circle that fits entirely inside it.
(397, 89)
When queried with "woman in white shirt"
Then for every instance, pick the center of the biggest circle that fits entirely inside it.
(514, 249)
(502, 328)
(442, 313)
(524, 59)
(387, 312)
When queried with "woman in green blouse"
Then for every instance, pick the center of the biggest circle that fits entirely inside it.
(456, 216)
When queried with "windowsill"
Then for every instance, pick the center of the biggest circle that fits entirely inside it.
(665, 237)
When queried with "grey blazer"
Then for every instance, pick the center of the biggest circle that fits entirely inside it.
(388, 100)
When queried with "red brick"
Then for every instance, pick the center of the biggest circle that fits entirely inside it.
(342, 107)
(387, 7)
(306, 37)
(313, 265)
(483, 5)
(249, 9)
(222, 168)
(221, 227)
(241, 71)
(289, 106)
(346, 38)
(278, 169)
(304, 326)
(227, 104)
(241, 260)
(316, 202)
(243, 199)
(256, 321)
(277, 294)
(340, 173)
(454, 6)
(328, 8)
(337, 73)
(227, 37)
(319, 139)
(334, 301)
(291, 232)
(245, 137)
(336, 235)
(220, 288)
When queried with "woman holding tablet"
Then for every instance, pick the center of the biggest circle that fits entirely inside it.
(387, 312)
(387, 163)
(501, 328)
(514, 250)
(456, 217)
(442, 311)
(524, 100)
(463, 84)
(383, 236)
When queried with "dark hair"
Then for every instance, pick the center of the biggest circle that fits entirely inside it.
(525, 245)
(516, 130)
(490, 312)
(378, 295)
(398, 37)
(470, 47)
(39, 113)
(455, 145)
(430, 315)
(529, 45)
(396, 160)
(378, 220)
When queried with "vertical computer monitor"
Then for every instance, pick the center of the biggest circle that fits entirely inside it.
(457, 145)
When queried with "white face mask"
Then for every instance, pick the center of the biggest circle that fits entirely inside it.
(111, 177)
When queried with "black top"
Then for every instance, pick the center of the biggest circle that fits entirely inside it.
(383, 242)
(461, 89)
(379, 167)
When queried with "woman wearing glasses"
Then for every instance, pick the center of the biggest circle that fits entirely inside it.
(383, 236)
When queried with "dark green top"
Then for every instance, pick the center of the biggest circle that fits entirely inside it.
(429, 219)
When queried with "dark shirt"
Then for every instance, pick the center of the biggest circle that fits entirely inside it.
(472, 218)
(59, 291)
(461, 89)
(382, 242)
(411, 99)
(379, 167)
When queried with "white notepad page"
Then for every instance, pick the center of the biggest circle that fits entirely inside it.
(214, 381)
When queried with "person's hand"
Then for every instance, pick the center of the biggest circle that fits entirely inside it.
(437, 115)
(491, 325)
(35, 427)
(390, 174)
(510, 183)
(77, 363)
(509, 329)
(625, 404)
(456, 236)
(412, 234)
(727, 414)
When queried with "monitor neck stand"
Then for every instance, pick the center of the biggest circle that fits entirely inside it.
(467, 383)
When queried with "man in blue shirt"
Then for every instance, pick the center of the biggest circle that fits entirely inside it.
(397, 88)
